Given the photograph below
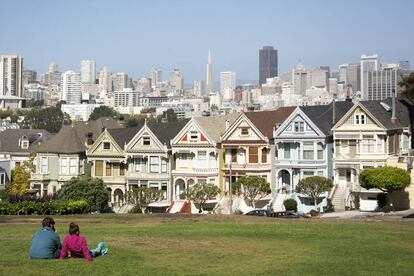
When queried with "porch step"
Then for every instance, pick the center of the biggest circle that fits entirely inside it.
(338, 199)
(177, 206)
(278, 202)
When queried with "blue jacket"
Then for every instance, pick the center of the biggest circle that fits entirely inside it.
(45, 243)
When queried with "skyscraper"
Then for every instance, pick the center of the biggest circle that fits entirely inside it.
(88, 71)
(353, 76)
(300, 79)
(209, 75)
(177, 80)
(342, 73)
(71, 87)
(368, 63)
(199, 88)
(53, 67)
(227, 80)
(382, 82)
(105, 79)
(267, 63)
(11, 75)
(120, 81)
(156, 77)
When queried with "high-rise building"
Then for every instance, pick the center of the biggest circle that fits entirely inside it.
(368, 63)
(177, 80)
(53, 67)
(353, 76)
(382, 82)
(54, 76)
(209, 75)
(333, 86)
(156, 77)
(300, 79)
(342, 73)
(71, 87)
(11, 75)
(227, 80)
(29, 76)
(318, 77)
(120, 81)
(267, 63)
(88, 71)
(199, 88)
(105, 79)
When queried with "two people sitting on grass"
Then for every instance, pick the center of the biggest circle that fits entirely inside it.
(46, 243)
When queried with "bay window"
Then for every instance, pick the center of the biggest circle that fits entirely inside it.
(308, 151)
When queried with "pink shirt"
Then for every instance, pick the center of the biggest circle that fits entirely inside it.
(77, 247)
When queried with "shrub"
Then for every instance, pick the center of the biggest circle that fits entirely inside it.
(314, 213)
(357, 200)
(381, 200)
(291, 205)
(386, 208)
(238, 212)
(43, 208)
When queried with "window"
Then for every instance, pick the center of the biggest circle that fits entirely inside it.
(193, 136)
(234, 155)
(122, 169)
(106, 145)
(299, 126)
(308, 149)
(286, 150)
(138, 164)
(405, 141)
(154, 164)
(2, 178)
(320, 151)
(264, 155)
(202, 155)
(344, 146)
(64, 166)
(43, 165)
(72, 166)
(320, 173)
(146, 141)
(244, 131)
(184, 160)
(360, 119)
(308, 173)
(211, 181)
(163, 165)
(108, 169)
(17, 164)
(367, 144)
(253, 155)
(98, 168)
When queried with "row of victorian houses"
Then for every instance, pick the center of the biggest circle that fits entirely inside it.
(283, 146)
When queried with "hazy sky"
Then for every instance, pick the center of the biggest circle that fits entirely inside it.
(134, 36)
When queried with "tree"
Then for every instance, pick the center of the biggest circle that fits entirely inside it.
(408, 84)
(102, 111)
(86, 188)
(170, 115)
(20, 176)
(253, 188)
(143, 196)
(50, 119)
(386, 179)
(201, 192)
(313, 187)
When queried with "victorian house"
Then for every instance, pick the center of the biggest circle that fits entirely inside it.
(64, 155)
(369, 135)
(304, 147)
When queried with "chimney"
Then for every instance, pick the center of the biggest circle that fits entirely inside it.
(393, 116)
(227, 124)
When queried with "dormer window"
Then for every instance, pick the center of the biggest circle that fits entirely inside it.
(193, 136)
(360, 119)
(244, 131)
(299, 127)
(106, 145)
(146, 141)
(24, 142)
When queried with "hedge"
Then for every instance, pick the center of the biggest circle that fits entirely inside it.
(43, 208)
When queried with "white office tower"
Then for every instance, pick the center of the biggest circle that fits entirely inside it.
(368, 63)
(120, 81)
(227, 80)
(300, 79)
(53, 67)
(176, 80)
(381, 83)
(199, 88)
(333, 87)
(11, 75)
(156, 77)
(318, 77)
(209, 75)
(105, 79)
(71, 87)
(342, 73)
(88, 71)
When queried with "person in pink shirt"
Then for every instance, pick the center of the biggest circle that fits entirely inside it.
(75, 245)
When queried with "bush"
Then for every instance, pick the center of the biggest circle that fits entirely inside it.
(238, 212)
(357, 200)
(314, 213)
(291, 205)
(386, 208)
(43, 208)
(381, 200)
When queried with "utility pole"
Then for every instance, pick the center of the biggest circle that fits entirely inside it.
(230, 190)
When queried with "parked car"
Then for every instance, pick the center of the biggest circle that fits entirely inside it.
(286, 214)
(258, 213)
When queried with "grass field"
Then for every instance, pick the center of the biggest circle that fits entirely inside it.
(206, 245)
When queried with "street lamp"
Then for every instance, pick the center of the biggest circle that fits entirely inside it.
(230, 190)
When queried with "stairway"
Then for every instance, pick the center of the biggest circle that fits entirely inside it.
(177, 206)
(338, 198)
(278, 202)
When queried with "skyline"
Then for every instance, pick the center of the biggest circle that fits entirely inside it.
(125, 38)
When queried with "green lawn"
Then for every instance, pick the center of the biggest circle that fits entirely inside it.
(206, 245)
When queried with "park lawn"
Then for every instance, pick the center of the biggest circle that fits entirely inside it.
(206, 245)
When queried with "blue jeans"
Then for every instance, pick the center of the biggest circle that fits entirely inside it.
(95, 252)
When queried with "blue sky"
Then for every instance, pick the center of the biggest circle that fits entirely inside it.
(134, 36)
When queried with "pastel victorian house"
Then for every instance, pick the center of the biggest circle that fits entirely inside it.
(64, 155)
(197, 152)
(304, 147)
(367, 136)
(247, 145)
(149, 158)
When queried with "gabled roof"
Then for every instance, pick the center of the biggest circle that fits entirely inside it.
(9, 139)
(265, 121)
(72, 138)
(215, 126)
(122, 136)
(322, 115)
(166, 131)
